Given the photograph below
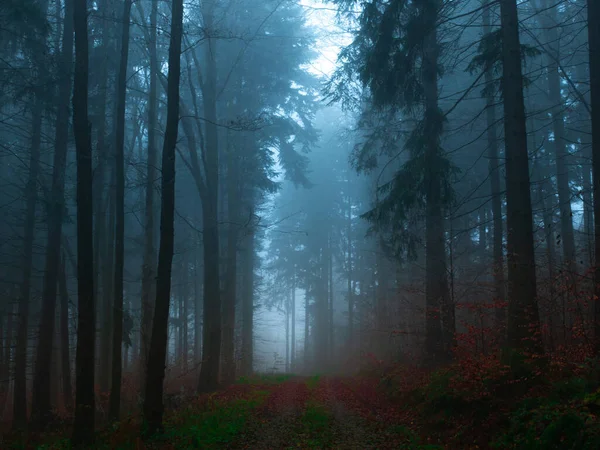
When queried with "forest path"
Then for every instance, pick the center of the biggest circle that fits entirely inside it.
(323, 413)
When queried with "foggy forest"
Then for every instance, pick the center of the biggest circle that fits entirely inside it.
(276, 224)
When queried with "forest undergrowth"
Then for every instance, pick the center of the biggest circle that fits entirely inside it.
(479, 402)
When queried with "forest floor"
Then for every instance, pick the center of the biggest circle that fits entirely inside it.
(472, 405)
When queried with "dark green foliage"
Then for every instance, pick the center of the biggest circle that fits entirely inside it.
(386, 59)
(545, 424)
(489, 57)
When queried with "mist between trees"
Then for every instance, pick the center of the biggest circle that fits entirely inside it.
(192, 183)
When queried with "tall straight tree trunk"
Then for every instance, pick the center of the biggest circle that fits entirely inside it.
(148, 265)
(550, 25)
(153, 399)
(523, 315)
(117, 344)
(108, 261)
(184, 314)
(85, 405)
(197, 311)
(594, 43)
(293, 350)
(41, 408)
(288, 301)
(20, 385)
(439, 313)
(248, 304)
(211, 354)
(306, 331)
(100, 202)
(228, 346)
(65, 353)
(494, 171)
(350, 292)
(331, 290)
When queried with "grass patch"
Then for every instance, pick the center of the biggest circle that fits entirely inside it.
(312, 382)
(214, 428)
(317, 426)
(264, 379)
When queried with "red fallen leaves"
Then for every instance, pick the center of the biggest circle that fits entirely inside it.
(360, 396)
(289, 395)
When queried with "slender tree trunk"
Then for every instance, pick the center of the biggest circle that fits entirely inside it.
(550, 25)
(293, 351)
(594, 43)
(153, 399)
(331, 311)
(349, 270)
(20, 385)
(148, 265)
(117, 343)
(494, 171)
(211, 354)
(440, 314)
(248, 305)
(523, 315)
(108, 261)
(306, 332)
(288, 301)
(64, 337)
(41, 408)
(83, 426)
(233, 181)
(197, 311)
(100, 202)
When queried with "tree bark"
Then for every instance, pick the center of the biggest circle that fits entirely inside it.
(83, 426)
(153, 399)
(248, 304)
(41, 408)
(494, 172)
(148, 265)
(594, 43)
(523, 315)
(117, 344)
(293, 350)
(64, 337)
(558, 126)
(440, 328)
(211, 354)
(20, 384)
(233, 194)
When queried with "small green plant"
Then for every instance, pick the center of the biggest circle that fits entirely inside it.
(216, 427)
(313, 381)
(317, 422)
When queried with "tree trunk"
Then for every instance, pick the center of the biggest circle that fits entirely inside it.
(197, 311)
(594, 43)
(148, 265)
(558, 127)
(494, 172)
(293, 351)
(153, 399)
(83, 426)
(233, 194)
(439, 313)
(41, 408)
(211, 354)
(248, 304)
(331, 311)
(288, 301)
(523, 315)
(117, 343)
(349, 270)
(20, 385)
(64, 337)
